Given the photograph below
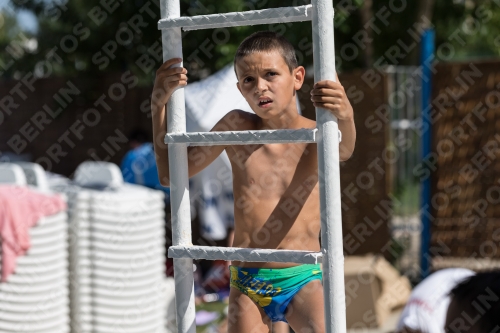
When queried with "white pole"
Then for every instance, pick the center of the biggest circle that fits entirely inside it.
(329, 182)
(179, 180)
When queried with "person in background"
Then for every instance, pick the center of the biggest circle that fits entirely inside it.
(475, 305)
(426, 309)
(139, 164)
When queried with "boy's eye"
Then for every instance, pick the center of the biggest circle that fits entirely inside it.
(248, 79)
(272, 73)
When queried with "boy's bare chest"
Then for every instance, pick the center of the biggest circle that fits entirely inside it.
(270, 169)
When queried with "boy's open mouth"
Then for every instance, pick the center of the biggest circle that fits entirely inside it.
(265, 102)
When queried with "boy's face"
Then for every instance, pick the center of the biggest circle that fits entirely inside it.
(265, 81)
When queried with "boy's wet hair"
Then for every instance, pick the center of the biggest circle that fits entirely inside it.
(481, 290)
(266, 41)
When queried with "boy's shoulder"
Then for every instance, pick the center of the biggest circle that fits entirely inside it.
(307, 123)
(238, 120)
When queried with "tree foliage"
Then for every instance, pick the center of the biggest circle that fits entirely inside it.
(15, 44)
(116, 35)
(467, 29)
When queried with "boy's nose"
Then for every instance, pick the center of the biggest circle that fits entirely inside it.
(261, 86)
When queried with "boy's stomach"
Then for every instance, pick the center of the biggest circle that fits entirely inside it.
(269, 227)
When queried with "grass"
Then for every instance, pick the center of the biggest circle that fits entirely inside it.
(212, 307)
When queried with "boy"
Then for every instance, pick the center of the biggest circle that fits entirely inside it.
(275, 185)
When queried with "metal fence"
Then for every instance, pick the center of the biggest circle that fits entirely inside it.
(403, 155)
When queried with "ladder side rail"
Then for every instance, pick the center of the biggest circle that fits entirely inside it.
(179, 180)
(329, 173)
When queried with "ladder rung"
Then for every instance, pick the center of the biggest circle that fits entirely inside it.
(243, 137)
(243, 254)
(236, 19)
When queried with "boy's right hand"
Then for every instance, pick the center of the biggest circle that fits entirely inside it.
(167, 81)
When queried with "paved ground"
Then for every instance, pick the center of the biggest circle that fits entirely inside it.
(388, 327)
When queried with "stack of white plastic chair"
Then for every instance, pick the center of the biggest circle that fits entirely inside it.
(117, 256)
(35, 297)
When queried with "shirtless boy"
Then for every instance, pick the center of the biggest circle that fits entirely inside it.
(275, 185)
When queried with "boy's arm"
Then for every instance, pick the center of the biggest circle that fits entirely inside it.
(348, 130)
(167, 80)
(331, 96)
(199, 157)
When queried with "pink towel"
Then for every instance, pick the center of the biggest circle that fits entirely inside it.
(20, 209)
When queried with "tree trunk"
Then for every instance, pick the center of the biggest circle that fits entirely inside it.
(366, 13)
(425, 10)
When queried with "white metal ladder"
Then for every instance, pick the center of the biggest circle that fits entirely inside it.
(325, 135)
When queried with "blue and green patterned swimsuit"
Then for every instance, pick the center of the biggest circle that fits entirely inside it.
(273, 288)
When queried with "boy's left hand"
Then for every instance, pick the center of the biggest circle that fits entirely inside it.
(331, 96)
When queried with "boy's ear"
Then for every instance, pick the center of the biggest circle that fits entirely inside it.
(238, 86)
(299, 74)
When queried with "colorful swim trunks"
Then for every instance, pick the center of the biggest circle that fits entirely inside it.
(273, 288)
